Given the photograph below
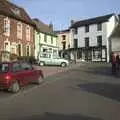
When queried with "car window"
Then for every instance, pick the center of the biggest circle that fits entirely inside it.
(4, 68)
(16, 67)
(26, 66)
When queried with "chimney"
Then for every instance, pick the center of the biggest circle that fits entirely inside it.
(51, 25)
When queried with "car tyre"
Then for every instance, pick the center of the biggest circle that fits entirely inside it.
(41, 63)
(15, 87)
(39, 81)
(63, 64)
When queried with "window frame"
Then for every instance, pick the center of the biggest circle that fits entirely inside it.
(6, 29)
(87, 28)
(87, 42)
(28, 31)
(45, 38)
(19, 30)
(99, 27)
(98, 40)
(63, 37)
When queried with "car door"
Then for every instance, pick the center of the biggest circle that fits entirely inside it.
(48, 59)
(17, 73)
(27, 70)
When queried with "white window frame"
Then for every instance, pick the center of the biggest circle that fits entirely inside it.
(8, 45)
(19, 30)
(7, 26)
(29, 50)
(28, 33)
(13, 46)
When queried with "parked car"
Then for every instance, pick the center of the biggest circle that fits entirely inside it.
(13, 75)
(48, 59)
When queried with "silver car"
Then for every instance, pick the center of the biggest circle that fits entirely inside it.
(52, 60)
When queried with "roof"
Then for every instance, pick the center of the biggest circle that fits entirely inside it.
(62, 31)
(13, 11)
(42, 27)
(95, 20)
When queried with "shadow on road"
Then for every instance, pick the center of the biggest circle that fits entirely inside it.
(54, 116)
(101, 70)
(111, 91)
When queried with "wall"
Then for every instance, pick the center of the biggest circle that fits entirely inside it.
(67, 40)
(13, 36)
(115, 44)
(110, 27)
(92, 34)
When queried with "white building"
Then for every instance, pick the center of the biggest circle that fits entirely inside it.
(90, 38)
(115, 38)
(46, 41)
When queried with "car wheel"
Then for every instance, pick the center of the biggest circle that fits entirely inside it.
(41, 63)
(15, 87)
(39, 80)
(63, 64)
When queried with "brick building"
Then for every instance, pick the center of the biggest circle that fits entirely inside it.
(16, 30)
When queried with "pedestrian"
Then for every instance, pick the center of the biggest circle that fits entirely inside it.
(117, 62)
(113, 61)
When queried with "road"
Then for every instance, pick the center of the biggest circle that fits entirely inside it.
(88, 92)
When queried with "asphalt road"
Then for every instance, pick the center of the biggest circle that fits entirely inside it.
(88, 92)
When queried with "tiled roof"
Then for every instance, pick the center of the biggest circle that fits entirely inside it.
(95, 20)
(41, 27)
(11, 10)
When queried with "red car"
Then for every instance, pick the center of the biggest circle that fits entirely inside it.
(13, 75)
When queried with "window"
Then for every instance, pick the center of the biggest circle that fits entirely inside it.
(63, 37)
(76, 31)
(87, 42)
(44, 50)
(99, 40)
(7, 26)
(51, 40)
(28, 33)
(16, 67)
(4, 68)
(28, 50)
(26, 66)
(19, 30)
(75, 43)
(45, 38)
(99, 26)
(7, 46)
(19, 49)
(97, 54)
(64, 45)
(87, 28)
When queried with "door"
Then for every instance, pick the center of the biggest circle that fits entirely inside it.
(28, 72)
(56, 60)
(18, 73)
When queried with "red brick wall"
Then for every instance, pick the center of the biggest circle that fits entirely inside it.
(13, 35)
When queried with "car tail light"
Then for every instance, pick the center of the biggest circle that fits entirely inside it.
(7, 77)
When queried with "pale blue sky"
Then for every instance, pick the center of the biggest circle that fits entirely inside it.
(60, 12)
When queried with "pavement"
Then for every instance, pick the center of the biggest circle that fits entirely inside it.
(86, 92)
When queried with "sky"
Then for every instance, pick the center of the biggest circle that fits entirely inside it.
(61, 12)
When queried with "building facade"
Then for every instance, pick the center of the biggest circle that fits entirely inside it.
(114, 38)
(16, 30)
(64, 43)
(91, 38)
(46, 41)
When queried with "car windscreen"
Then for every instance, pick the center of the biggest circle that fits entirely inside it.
(4, 67)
